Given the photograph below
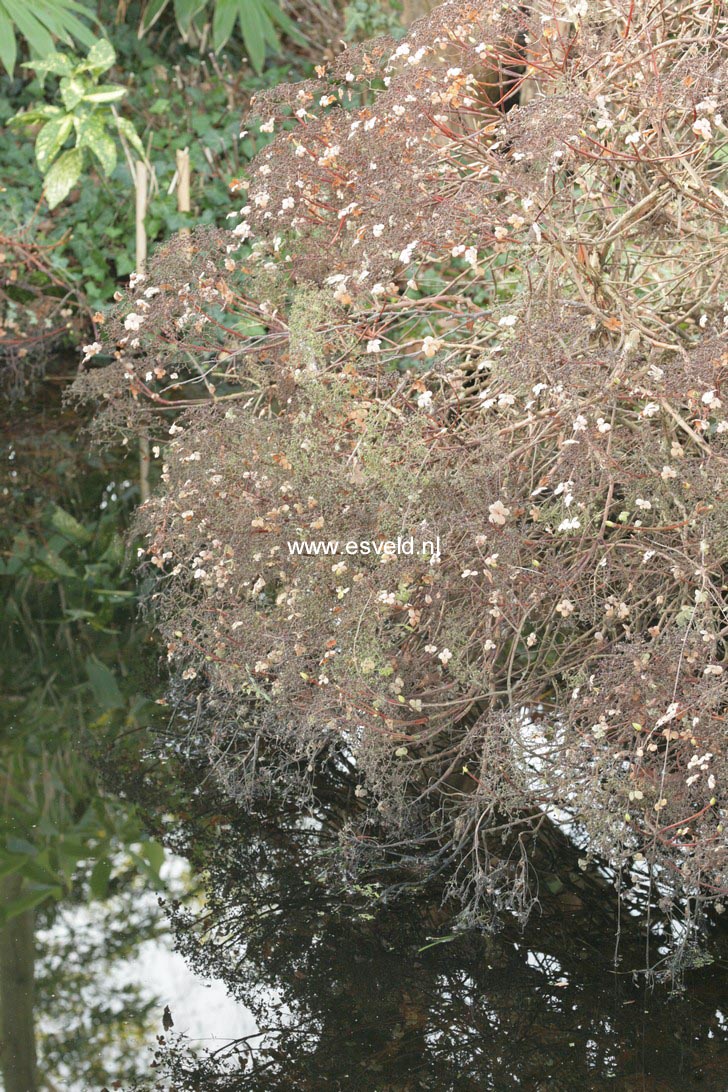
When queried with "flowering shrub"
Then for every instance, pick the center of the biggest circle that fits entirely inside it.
(504, 328)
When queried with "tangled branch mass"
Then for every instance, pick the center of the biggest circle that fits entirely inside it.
(474, 291)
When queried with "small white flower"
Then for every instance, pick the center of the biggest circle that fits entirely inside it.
(508, 320)
(711, 400)
(445, 656)
(565, 608)
(133, 321)
(377, 230)
(430, 345)
(374, 345)
(498, 513)
(603, 426)
(405, 256)
(91, 350)
(431, 648)
(702, 128)
(424, 400)
(268, 126)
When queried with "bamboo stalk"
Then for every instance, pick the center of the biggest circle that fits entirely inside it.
(183, 183)
(140, 186)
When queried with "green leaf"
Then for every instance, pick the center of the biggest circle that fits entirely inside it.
(8, 45)
(59, 19)
(252, 25)
(100, 57)
(100, 876)
(108, 92)
(47, 561)
(72, 91)
(11, 865)
(58, 16)
(62, 176)
(69, 527)
(277, 15)
(38, 113)
(92, 134)
(28, 900)
(105, 151)
(128, 131)
(223, 21)
(20, 845)
(154, 854)
(56, 63)
(103, 684)
(32, 30)
(185, 11)
(151, 13)
(50, 140)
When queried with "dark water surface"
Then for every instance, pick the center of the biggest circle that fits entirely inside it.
(368, 1009)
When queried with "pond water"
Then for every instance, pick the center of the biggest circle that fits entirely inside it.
(328, 1009)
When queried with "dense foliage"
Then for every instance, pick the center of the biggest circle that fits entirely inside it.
(505, 328)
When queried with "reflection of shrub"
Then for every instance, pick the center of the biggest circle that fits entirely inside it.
(508, 326)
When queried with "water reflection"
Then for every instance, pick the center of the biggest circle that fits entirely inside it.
(345, 1000)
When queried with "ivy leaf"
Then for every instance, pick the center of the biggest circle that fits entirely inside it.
(92, 134)
(128, 131)
(62, 176)
(51, 139)
(100, 57)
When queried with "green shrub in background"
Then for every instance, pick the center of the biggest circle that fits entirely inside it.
(87, 117)
(200, 21)
(40, 25)
(174, 99)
